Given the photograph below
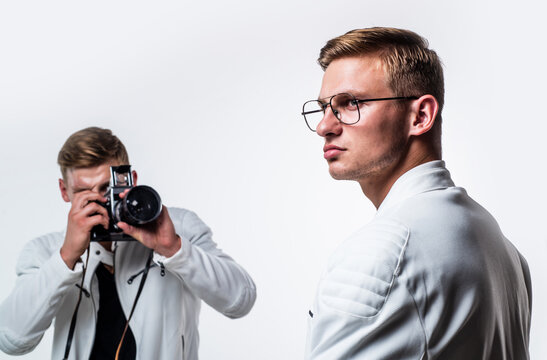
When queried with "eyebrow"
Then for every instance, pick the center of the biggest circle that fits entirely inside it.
(355, 93)
(323, 100)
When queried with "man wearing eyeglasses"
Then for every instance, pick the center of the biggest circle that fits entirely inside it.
(431, 276)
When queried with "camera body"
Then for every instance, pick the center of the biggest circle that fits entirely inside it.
(140, 206)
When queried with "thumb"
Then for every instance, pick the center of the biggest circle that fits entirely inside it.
(130, 230)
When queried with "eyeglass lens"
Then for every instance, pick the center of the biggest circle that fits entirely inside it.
(344, 107)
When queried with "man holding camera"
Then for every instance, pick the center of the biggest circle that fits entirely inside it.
(431, 276)
(124, 300)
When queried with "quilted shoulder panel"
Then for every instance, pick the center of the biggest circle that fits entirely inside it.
(362, 270)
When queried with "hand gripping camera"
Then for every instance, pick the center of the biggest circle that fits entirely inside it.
(140, 206)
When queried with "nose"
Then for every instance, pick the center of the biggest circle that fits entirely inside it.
(329, 125)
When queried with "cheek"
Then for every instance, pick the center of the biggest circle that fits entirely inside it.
(377, 137)
(393, 127)
(370, 137)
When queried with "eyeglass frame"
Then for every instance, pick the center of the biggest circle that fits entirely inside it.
(359, 101)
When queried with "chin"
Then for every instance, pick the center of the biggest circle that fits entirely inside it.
(339, 174)
(356, 173)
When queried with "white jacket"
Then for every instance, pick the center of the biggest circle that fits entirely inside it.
(165, 322)
(431, 277)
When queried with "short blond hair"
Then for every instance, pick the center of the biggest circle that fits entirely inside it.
(412, 69)
(89, 147)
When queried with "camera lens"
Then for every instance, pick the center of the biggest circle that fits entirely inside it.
(141, 205)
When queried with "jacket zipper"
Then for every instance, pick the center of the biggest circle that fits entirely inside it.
(162, 268)
(86, 293)
(132, 277)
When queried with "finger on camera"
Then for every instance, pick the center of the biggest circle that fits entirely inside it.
(130, 230)
(99, 219)
(124, 193)
(87, 197)
(94, 208)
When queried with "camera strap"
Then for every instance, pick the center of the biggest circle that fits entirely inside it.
(141, 285)
(75, 314)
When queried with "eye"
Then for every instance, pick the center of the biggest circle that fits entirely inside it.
(345, 102)
(352, 103)
(103, 189)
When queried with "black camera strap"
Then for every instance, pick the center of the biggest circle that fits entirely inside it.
(75, 314)
(141, 285)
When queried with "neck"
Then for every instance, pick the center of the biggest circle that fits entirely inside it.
(106, 244)
(377, 186)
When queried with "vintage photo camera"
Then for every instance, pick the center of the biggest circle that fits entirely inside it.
(141, 205)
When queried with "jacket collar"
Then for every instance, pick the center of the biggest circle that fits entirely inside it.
(97, 254)
(426, 177)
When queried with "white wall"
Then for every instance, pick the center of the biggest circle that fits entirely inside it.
(207, 98)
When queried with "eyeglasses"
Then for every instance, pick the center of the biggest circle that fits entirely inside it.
(344, 106)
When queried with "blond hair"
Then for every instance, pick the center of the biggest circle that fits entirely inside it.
(90, 147)
(412, 69)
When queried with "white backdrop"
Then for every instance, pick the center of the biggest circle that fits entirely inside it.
(207, 98)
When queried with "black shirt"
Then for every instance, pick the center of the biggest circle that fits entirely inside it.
(111, 322)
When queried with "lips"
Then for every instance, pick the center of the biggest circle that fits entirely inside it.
(332, 151)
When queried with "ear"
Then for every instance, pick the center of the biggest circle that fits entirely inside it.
(424, 115)
(134, 177)
(64, 191)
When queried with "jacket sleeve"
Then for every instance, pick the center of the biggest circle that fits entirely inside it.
(211, 274)
(42, 280)
(363, 309)
(395, 332)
